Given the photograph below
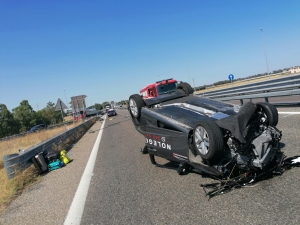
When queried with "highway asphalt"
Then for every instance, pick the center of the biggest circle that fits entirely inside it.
(126, 188)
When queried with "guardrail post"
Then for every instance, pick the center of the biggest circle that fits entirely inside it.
(242, 101)
(9, 165)
(266, 99)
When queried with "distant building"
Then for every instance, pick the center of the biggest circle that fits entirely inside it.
(295, 69)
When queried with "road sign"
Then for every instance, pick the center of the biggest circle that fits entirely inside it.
(78, 103)
(60, 105)
(230, 77)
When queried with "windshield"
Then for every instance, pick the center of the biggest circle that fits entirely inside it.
(166, 88)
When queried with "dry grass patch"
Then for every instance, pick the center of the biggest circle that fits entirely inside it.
(13, 187)
(68, 118)
(12, 146)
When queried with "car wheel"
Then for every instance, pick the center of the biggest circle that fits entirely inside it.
(208, 140)
(186, 88)
(269, 112)
(135, 105)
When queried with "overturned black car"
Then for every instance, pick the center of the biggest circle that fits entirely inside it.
(208, 136)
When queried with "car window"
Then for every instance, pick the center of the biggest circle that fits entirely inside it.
(165, 88)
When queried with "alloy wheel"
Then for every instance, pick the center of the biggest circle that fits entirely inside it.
(133, 107)
(202, 140)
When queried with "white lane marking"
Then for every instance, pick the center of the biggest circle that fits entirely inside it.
(294, 113)
(77, 206)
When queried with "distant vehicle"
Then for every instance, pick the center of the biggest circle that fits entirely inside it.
(101, 113)
(111, 112)
(78, 115)
(159, 88)
(107, 108)
(37, 128)
(91, 112)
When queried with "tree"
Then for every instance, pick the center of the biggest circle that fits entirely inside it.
(49, 115)
(25, 116)
(98, 106)
(91, 107)
(221, 82)
(104, 104)
(277, 71)
(123, 102)
(50, 105)
(8, 124)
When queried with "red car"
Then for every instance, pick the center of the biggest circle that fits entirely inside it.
(159, 88)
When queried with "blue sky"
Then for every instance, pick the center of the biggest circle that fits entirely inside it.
(109, 50)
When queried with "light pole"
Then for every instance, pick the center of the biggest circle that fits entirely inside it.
(194, 84)
(187, 66)
(263, 41)
(66, 100)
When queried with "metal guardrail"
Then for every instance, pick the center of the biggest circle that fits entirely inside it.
(19, 162)
(279, 87)
(242, 81)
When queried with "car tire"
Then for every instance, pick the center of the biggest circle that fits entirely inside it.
(208, 140)
(135, 105)
(186, 88)
(269, 111)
